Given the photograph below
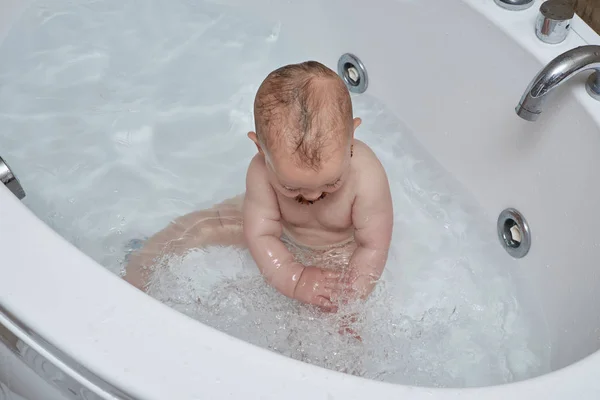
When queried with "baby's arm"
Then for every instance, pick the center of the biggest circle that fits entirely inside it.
(262, 232)
(372, 216)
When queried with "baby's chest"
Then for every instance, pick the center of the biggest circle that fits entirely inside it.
(328, 214)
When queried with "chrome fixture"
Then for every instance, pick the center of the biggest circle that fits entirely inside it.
(58, 369)
(554, 21)
(10, 180)
(515, 5)
(556, 72)
(513, 232)
(353, 72)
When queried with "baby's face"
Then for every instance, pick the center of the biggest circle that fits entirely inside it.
(305, 184)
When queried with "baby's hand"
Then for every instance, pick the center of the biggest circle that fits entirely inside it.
(347, 326)
(357, 285)
(318, 287)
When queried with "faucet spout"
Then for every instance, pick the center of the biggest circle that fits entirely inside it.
(556, 72)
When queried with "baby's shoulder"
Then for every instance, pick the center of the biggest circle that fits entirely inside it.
(367, 167)
(257, 165)
(257, 170)
(365, 158)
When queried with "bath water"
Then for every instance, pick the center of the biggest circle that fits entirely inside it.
(119, 116)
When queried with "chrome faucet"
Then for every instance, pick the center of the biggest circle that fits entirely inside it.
(554, 21)
(10, 180)
(557, 71)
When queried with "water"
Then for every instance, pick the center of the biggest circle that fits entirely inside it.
(117, 116)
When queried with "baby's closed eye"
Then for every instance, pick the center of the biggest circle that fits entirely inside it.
(334, 184)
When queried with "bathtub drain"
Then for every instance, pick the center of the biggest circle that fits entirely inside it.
(513, 232)
(353, 72)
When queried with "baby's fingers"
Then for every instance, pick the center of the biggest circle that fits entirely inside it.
(325, 304)
(335, 285)
(332, 275)
(330, 294)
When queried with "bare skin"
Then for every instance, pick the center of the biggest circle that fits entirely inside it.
(218, 226)
(358, 205)
(346, 199)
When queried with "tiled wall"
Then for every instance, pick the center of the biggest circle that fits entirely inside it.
(589, 10)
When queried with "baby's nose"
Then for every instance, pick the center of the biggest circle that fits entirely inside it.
(312, 196)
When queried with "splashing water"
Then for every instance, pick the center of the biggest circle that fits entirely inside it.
(444, 314)
(117, 116)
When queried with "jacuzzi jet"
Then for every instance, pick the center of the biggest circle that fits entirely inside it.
(353, 72)
(515, 5)
(353, 76)
(513, 232)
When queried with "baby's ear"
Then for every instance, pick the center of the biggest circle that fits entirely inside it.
(254, 138)
(357, 122)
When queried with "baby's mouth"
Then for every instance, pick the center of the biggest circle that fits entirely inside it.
(300, 199)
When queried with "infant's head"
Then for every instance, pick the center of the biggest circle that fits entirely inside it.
(304, 128)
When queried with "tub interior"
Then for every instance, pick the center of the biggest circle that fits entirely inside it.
(119, 116)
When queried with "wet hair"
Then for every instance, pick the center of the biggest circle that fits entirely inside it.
(304, 107)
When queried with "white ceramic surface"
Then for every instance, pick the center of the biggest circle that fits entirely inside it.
(456, 69)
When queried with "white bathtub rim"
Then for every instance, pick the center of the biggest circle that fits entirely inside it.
(584, 31)
(130, 301)
(578, 375)
(82, 375)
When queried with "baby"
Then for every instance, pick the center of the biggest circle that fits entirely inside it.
(310, 188)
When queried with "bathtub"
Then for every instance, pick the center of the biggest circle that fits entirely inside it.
(457, 70)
